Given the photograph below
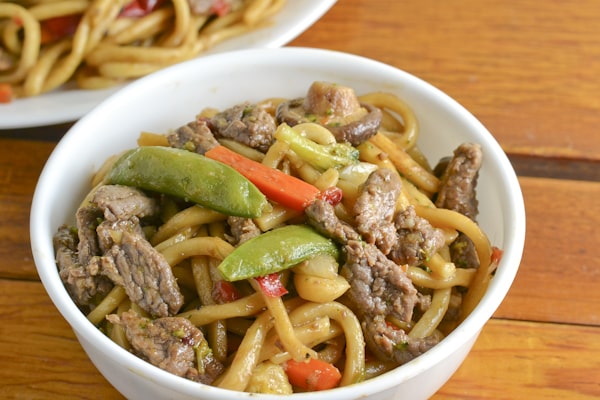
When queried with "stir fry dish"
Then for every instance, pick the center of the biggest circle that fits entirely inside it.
(95, 44)
(282, 246)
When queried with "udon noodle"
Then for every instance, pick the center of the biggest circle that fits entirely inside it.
(257, 336)
(94, 44)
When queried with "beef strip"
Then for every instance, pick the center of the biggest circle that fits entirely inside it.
(458, 192)
(116, 251)
(459, 180)
(378, 288)
(375, 207)
(134, 264)
(88, 217)
(321, 215)
(378, 285)
(109, 232)
(83, 282)
(120, 202)
(242, 230)
(405, 238)
(393, 344)
(195, 136)
(172, 344)
(76, 255)
(245, 123)
(417, 239)
(129, 260)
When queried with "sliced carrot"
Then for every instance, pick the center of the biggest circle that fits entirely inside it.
(278, 186)
(312, 375)
(6, 93)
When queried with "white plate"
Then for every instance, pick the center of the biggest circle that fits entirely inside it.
(68, 104)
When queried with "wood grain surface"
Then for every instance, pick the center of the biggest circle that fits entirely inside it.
(529, 71)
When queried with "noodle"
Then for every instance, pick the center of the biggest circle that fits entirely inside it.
(107, 46)
(319, 318)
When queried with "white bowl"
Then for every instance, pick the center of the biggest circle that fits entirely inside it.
(172, 97)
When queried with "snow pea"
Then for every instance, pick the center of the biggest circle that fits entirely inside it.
(190, 176)
(274, 251)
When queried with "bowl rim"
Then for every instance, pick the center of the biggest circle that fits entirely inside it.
(514, 236)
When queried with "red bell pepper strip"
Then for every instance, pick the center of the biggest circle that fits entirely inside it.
(278, 186)
(220, 8)
(496, 255)
(224, 292)
(53, 29)
(332, 195)
(6, 93)
(312, 375)
(139, 8)
(271, 285)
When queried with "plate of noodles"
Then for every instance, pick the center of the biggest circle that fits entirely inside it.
(56, 85)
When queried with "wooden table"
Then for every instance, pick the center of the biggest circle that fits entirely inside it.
(529, 70)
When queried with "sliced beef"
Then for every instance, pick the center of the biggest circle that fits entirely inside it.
(242, 229)
(378, 286)
(463, 253)
(458, 192)
(454, 308)
(111, 248)
(337, 108)
(128, 259)
(120, 202)
(321, 215)
(417, 238)
(111, 202)
(245, 123)
(172, 344)
(109, 232)
(375, 207)
(88, 217)
(459, 180)
(394, 344)
(83, 282)
(148, 280)
(195, 136)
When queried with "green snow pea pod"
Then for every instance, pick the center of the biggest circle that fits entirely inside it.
(274, 251)
(190, 176)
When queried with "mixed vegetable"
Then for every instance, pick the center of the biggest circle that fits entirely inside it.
(190, 176)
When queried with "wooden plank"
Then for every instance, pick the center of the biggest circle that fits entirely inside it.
(558, 279)
(527, 360)
(21, 163)
(41, 357)
(49, 133)
(511, 359)
(556, 168)
(528, 72)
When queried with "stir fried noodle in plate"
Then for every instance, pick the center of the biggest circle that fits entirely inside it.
(284, 246)
(100, 43)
